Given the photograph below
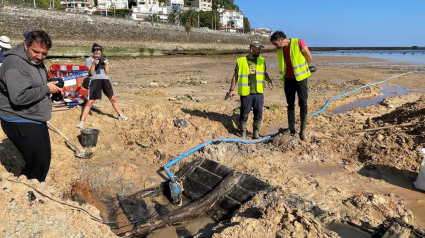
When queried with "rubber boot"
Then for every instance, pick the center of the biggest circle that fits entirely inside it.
(243, 129)
(291, 123)
(303, 118)
(256, 129)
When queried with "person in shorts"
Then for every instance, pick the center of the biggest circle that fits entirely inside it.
(99, 82)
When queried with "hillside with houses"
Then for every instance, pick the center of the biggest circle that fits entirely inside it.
(219, 15)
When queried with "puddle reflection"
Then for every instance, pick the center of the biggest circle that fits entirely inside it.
(387, 91)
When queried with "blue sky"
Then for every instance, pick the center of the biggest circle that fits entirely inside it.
(342, 22)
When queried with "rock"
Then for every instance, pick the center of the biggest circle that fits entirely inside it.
(154, 84)
(172, 99)
(180, 123)
(397, 231)
(204, 82)
(380, 137)
(31, 196)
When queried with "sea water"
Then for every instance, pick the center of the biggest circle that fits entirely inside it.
(402, 56)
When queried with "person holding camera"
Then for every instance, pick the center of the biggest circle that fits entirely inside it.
(25, 102)
(99, 81)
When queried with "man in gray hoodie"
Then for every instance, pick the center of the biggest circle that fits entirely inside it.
(25, 104)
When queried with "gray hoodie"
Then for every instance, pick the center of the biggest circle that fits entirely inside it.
(28, 95)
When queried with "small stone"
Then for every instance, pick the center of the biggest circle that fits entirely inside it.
(180, 123)
(172, 99)
(31, 196)
(154, 84)
(204, 82)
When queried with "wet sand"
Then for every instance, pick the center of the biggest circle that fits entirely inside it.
(129, 154)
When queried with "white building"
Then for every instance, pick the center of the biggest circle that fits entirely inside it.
(202, 5)
(108, 4)
(231, 18)
(178, 3)
(260, 32)
(77, 5)
(148, 8)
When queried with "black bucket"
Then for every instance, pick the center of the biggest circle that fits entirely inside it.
(88, 137)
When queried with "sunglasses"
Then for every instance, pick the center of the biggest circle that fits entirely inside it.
(97, 48)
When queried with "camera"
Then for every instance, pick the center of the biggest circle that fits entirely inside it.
(60, 83)
(101, 61)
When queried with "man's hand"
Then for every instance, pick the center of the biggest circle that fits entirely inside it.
(231, 93)
(53, 88)
(270, 85)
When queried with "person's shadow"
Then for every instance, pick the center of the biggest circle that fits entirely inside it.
(10, 157)
(95, 109)
(392, 175)
(227, 121)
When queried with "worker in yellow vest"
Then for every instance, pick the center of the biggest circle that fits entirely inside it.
(293, 59)
(250, 74)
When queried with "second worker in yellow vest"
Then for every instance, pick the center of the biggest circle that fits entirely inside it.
(250, 75)
(293, 58)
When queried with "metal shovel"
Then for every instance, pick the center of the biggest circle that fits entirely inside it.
(80, 153)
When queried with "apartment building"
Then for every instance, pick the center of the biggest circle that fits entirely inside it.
(148, 8)
(77, 5)
(202, 5)
(231, 18)
(108, 4)
(179, 3)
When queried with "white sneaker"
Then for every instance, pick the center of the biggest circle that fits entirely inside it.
(80, 124)
(122, 118)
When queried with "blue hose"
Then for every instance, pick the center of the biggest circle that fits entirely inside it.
(180, 157)
(364, 86)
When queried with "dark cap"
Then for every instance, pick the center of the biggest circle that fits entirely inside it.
(26, 33)
(256, 43)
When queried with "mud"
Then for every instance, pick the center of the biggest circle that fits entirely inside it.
(362, 179)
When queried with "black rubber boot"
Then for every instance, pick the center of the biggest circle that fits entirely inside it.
(291, 124)
(256, 129)
(243, 129)
(303, 118)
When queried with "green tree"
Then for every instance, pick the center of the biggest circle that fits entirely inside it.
(190, 16)
(172, 16)
(246, 25)
(187, 27)
(226, 4)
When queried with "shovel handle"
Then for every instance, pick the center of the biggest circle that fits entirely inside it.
(63, 135)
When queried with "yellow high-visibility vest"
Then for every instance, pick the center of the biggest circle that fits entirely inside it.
(243, 80)
(299, 63)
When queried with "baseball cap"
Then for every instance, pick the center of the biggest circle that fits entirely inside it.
(26, 33)
(256, 43)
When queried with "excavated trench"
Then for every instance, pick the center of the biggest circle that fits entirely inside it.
(117, 216)
(362, 151)
(200, 179)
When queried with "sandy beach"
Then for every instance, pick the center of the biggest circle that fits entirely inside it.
(336, 175)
